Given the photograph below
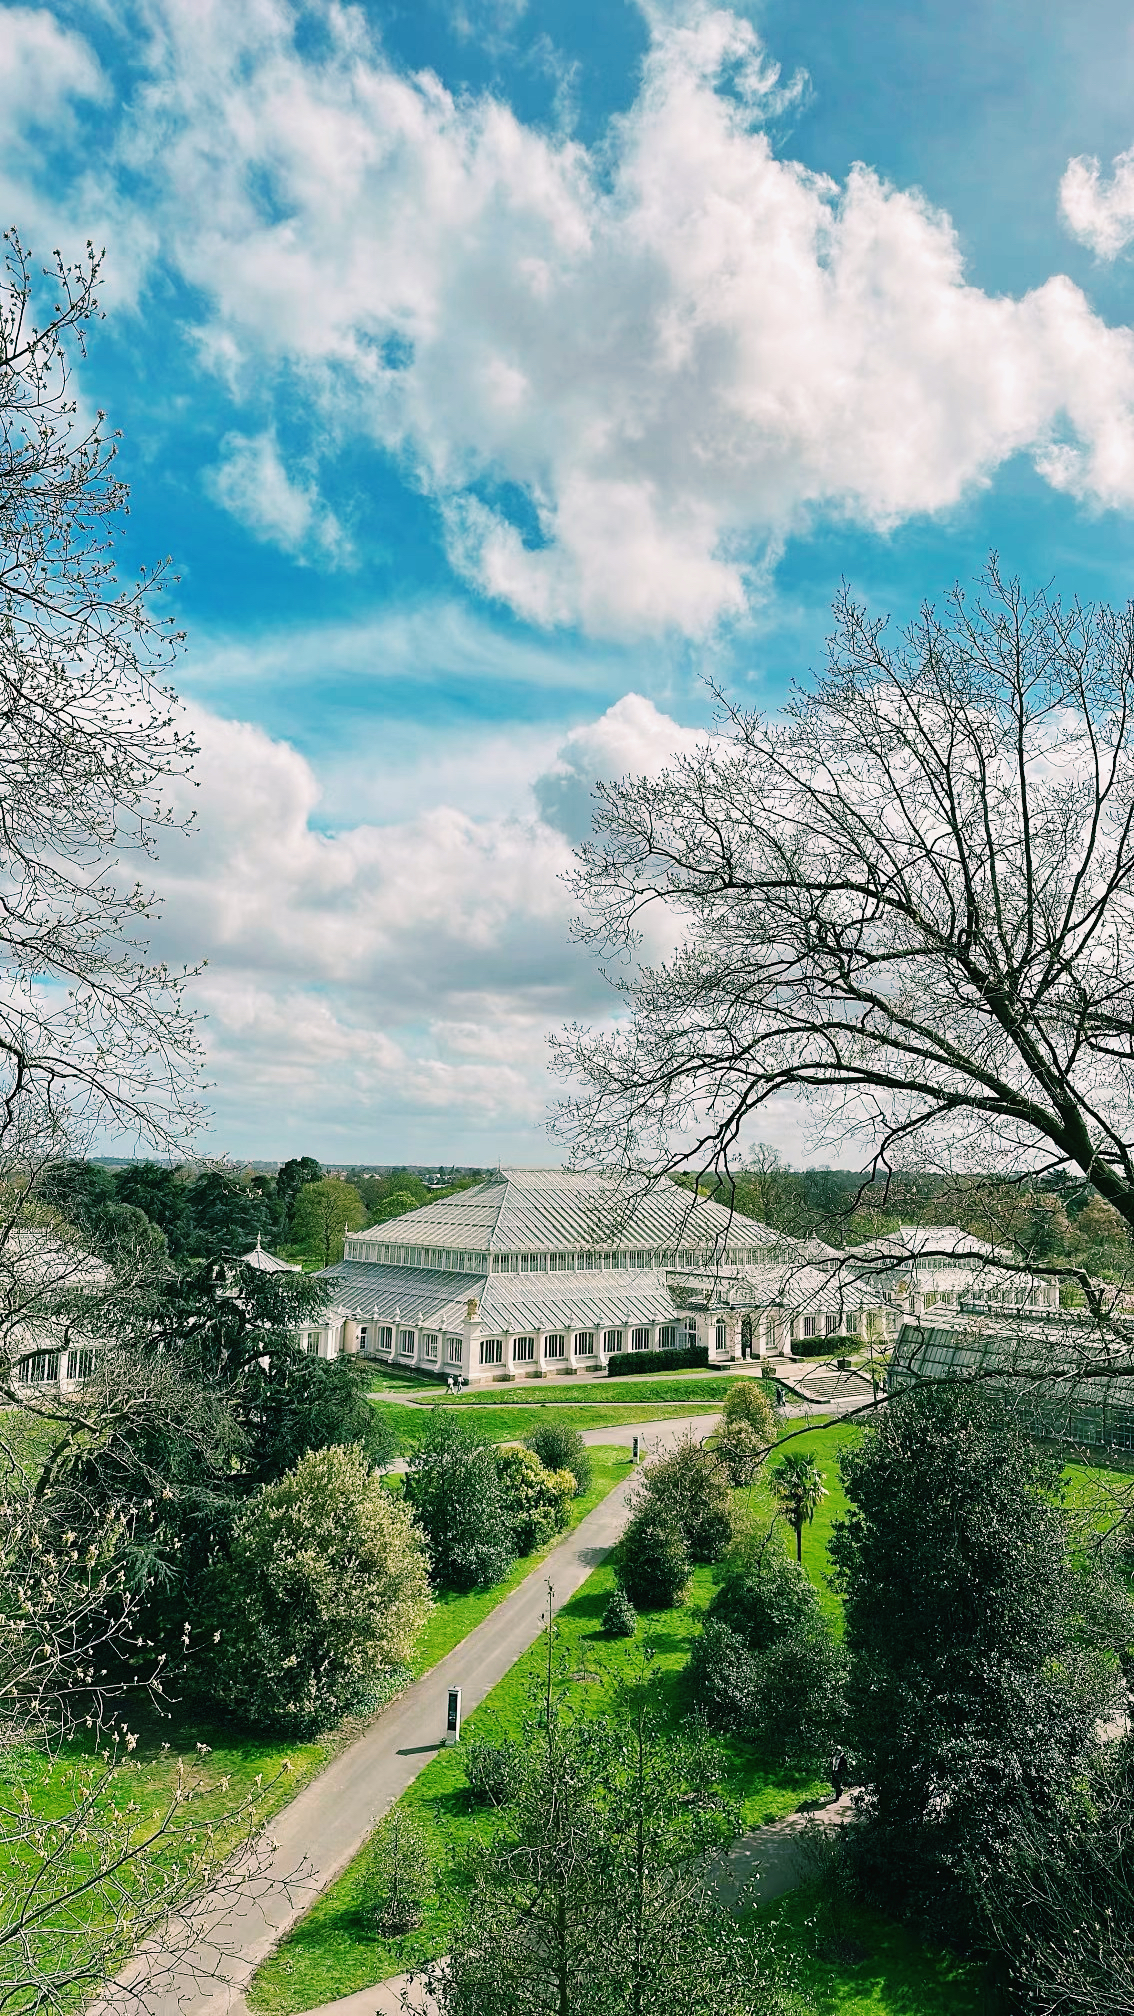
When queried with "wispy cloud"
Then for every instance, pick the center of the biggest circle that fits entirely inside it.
(252, 483)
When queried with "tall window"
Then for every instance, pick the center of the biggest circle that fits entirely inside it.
(384, 1337)
(430, 1344)
(454, 1350)
(810, 1326)
(405, 1343)
(667, 1336)
(554, 1347)
(831, 1325)
(641, 1339)
(523, 1350)
(585, 1344)
(613, 1340)
(492, 1350)
(80, 1364)
(363, 1335)
(722, 1333)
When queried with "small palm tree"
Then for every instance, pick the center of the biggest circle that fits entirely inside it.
(798, 1487)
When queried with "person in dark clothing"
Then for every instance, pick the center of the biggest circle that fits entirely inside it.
(838, 1772)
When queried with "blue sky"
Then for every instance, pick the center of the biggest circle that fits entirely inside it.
(494, 372)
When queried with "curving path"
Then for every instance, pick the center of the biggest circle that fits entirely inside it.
(201, 1968)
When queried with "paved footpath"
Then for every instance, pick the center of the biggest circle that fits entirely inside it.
(315, 1836)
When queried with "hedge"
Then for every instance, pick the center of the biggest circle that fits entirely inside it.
(679, 1359)
(824, 1347)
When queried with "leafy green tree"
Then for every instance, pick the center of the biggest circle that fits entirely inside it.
(321, 1597)
(453, 1485)
(798, 1489)
(535, 1499)
(742, 1449)
(323, 1214)
(746, 1401)
(562, 1448)
(82, 1192)
(981, 1652)
(689, 1489)
(291, 1177)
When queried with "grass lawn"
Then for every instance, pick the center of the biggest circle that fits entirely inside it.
(687, 1388)
(877, 1967)
(505, 1423)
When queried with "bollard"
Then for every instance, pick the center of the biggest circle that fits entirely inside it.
(453, 1718)
(634, 1448)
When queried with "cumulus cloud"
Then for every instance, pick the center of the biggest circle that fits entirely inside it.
(633, 738)
(253, 484)
(382, 983)
(1100, 214)
(624, 374)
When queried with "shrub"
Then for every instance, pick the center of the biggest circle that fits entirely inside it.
(535, 1500)
(722, 1677)
(562, 1448)
(398, 1874)
(453, 1485)
(690, 1489)
(769, 1600)
(494, 1771)
(321, 1598)
(619, 1619)
(747, 1401)
(679, 1359)
(741, 1448)
(767, 1665)
(654, 1564)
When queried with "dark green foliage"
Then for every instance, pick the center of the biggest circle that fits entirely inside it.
(493, 1771)
(654, 1561)
(82, 1192)
(689, 1489)
(980, 1652)
(290, 1180)
(562, 1448)
(679, 1359)
(619, 1618)
(222, 1216)
(313, 1403)
(766, 1663)
(156, 1190)
(454, 1488)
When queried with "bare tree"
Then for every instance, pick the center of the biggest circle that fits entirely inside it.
(90, 1029)
(905, 901)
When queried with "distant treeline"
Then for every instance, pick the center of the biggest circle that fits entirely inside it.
(198, 1213)
(1048, 1218)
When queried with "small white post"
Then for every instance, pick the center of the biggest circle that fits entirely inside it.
(453, 1717)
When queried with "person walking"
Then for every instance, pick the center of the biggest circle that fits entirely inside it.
(838, 1772)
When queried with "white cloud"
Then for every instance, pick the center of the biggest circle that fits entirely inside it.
(253, 484)
(677, 347)
(384, 984)
(631, 739)
(1100, 214)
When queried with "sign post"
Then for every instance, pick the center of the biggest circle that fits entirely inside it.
(453, 1718)
(635, 1449)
